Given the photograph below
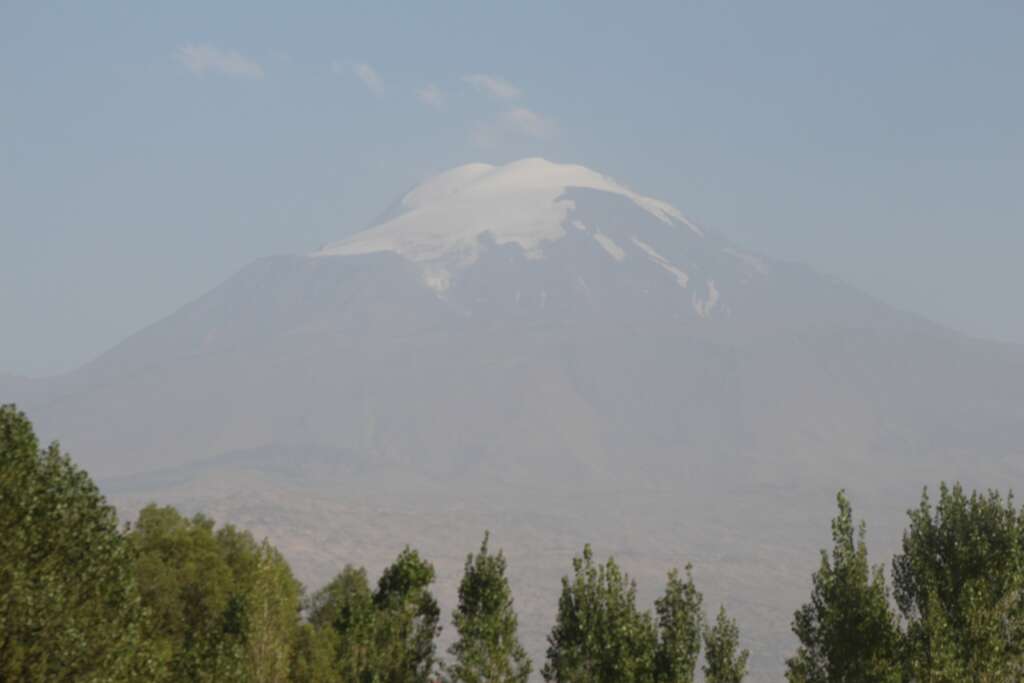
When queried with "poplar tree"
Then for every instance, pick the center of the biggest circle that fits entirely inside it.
(959, 583)
(487, 649)
(680, 620)
(724, 662)
(599, 635)
(847, 632)
(408, 621)
(272, 611)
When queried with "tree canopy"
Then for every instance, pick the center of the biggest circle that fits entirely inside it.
(222, 606)
(176, 599)
(600, 636)
(387, 635)
(959, 583)
(724, 661)
(680, 620)
(71, 610)
(487, 649)
(847, 631)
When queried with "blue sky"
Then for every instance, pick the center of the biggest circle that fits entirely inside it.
(148, 151)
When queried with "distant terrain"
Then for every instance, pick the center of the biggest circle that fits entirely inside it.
(536, 350)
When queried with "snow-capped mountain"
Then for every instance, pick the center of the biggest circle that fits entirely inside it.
(446, 223)
(561, 359)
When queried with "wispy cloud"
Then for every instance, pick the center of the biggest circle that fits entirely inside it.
(515, 124)
(431, 96)
(200, 59)
(364, 72)
(494, 86)
(528, 123)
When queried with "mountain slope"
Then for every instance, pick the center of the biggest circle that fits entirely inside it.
(560, 359)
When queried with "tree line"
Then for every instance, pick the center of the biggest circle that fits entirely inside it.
(175, 598)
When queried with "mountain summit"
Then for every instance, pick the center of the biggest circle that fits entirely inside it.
(448, 223)
(524, 203)
(536, 349)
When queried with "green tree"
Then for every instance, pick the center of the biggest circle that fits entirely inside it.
(959, 583)
(680, 620)
(384, 636)
(69, 606)
(488, 648)
(938, 661)
(224, 607)
(344, 609)
(408, 620)
(724, 662)
(188, 586)
(847, 632)
(599, 635)
(272, 610)
(314, 656)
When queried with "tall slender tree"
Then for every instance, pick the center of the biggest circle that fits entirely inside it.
(408, 621)
(272, 611)
(724, 662)
(487, 649)
(680, 620)
(847, 631)
(599, 635)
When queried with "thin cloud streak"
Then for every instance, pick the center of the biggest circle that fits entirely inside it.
(515, 124)
(202, 59)
(369, 76)
(431, 96)
(528, 123)
(494, 86)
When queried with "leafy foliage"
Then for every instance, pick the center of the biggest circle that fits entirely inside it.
(847, 632)
(175, 599)
(680, 620)
(383, 636)
(223, 606)
(70, 609)
(343, 614)
(272, 617)
(724, 662)
(488, 648)
(313, 658)
(959, 583)
(408, 620)
(599, 635)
